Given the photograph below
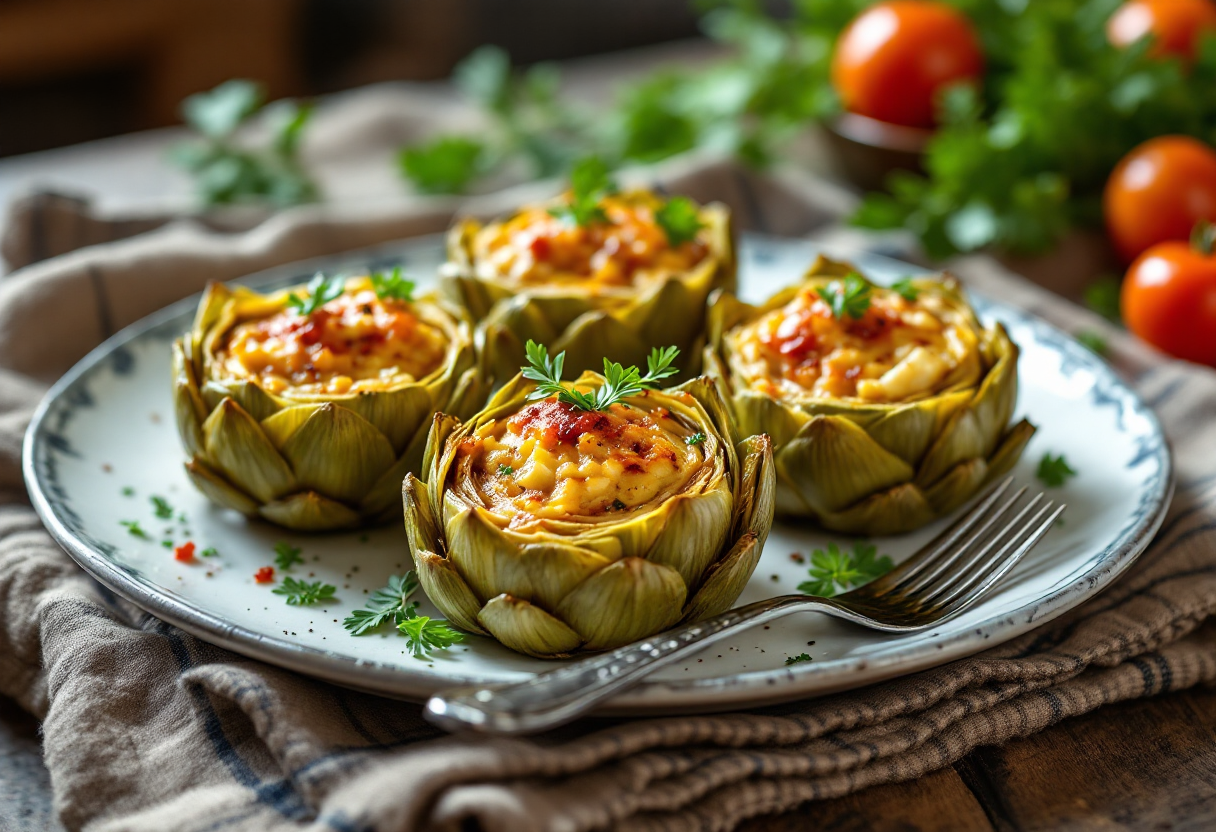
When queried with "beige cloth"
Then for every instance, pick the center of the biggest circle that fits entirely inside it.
(147, 728)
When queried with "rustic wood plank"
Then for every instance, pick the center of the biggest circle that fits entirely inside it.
(937, 802)
(1146, 765)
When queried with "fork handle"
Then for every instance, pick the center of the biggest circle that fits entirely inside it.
(558, 696)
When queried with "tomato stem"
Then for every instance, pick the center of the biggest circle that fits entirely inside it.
(1203, 238)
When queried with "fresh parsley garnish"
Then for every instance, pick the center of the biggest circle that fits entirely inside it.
(168, 544)
(302, 593)
(162, 508)
(679, 219)
(589, 184)
(321, 290)
(505, 470)
(226, 166)
(424, 634)
(445, 165)
(209, 552)
(1054, 471)
(619, 382)
(134, 529)
(801, 657)
(696, 439)
(389, 603)
(286, 556)
(128, 492)
(906, 289)
(835, 571)
(850, 297)
(393, 286)
(1092, 341)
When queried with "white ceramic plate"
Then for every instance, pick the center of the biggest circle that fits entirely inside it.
(107, 427)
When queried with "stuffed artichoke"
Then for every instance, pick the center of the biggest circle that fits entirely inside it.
(308, 406)
(579, 517)
(887, 407)
(594, 273)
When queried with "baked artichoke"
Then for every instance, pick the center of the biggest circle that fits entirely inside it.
(307, 407)
(614, 274)
(887, 408)
(557, 529)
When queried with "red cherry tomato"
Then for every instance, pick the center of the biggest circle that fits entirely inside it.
(1169, 300)
(1174, 24)
(894, 57)
(1158, 192)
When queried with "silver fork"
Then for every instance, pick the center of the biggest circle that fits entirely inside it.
(938, 582)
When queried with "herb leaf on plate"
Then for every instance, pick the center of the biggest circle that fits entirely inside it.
(387, 604)
(834, 571)
(302, 593)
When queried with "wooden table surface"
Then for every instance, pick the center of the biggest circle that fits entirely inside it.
(1145, 765)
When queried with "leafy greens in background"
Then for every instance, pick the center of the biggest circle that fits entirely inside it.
(227, 170)
(1014, 166)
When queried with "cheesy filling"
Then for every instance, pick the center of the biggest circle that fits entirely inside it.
(534, 247)
(355, 343)
(898, 350)
(552, 461)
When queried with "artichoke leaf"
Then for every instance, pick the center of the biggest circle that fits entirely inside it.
(694, 531)
(908, 431)
(672, 312)
(757, 413)
(726, 580)
(704, 389)
(725, 312)
(995, 400)
(397, 414)
(239, 449)
(1010, 450)
(629, 600)
(755, 500)
(188, 407)
(447, 590)
(962, 439)
(311, 512)
(338, 453)
(596, 334)
(526, 628)
(218, 489)
(894, 511)
(960, 484)
(833, 463)
(253, 399)
(420, 527)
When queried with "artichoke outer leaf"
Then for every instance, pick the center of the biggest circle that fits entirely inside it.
(308, 511)
(894, 511)
(442, 426)
(239, 449)
(338, 453)
(1010, 450)
(253, 399)
(708, 395)
(726, 580)
(420, 527)
(397, 414)
(526, 628)
(386, 492)
(219, 490)
(467, 398)
(960, 484)
(833, 463)
(827, 267)
(596, 334)
(283, 424)
(447, 590)
(997, 395)
(673, 313)
(757, 413)
(628, 600)
(961, 440)
(755, 500)
(493, 561)
(725, 313)
(908, 431)
(188, 407)
(694, 531)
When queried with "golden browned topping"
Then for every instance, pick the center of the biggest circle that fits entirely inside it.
(356, 342)
(553, 461)
(630, 247)
(896, 350)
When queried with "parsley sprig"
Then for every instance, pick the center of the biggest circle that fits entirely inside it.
(679, 219)
(835, 571)
(286, 556)
(389, 603)
(161, 507)
(302, 593)
(424, 634)
(393, 286)
(444, 165)
(619, 382)
(1054, 471)
(850, 296)
(589, 184)
(905, 287)
(801, 657)
(321, 290)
